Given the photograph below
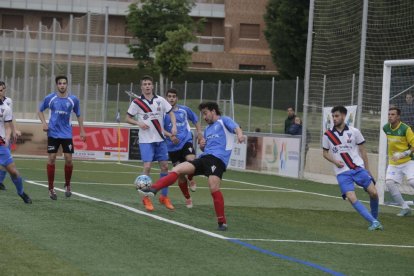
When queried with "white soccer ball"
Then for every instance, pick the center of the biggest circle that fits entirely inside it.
(142, 181)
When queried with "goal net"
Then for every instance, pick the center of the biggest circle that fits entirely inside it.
(397, 90)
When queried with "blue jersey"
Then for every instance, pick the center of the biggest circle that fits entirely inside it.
(182, 115)
(60, 114)
(220, 138)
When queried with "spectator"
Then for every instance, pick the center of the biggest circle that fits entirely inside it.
(407, 110)
(290, 118)
(296, 127)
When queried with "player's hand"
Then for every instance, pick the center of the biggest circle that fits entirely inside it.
(45, 127)
(398, 155)
(241, 138)
(143, 126)
(201, 141)
(174, 130)
(202, 144)
(82, 135)
(339, 164)
(174, 139)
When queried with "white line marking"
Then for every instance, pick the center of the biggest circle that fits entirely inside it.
(189, 227)
(327, 242)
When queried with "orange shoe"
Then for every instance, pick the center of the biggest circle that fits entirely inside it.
(164, 200)
(148, 204)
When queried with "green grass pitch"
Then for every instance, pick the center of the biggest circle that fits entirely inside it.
(288, 227)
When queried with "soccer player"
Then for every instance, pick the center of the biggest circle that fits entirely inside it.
(6, 160)
(343, 146)
(180, 146)
(400, 139)
(59, 131)
(15, 132)
(217, 147)
(151, 110)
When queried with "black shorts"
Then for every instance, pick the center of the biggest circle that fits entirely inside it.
(53, 145)
(180, 155)
(209, 165)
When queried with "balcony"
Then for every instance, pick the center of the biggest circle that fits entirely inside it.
(203, 8)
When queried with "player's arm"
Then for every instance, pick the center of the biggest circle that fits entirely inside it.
(8, 131)
(328, 157)
(173, 122)
(409, 135)
(82, 133)
(43, 120)
(364, 156)
(130, 120)
(239, 133)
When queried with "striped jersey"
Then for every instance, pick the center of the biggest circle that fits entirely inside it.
(343, 146)
(61, 109)
(399, 139)
(150, 112)
(9, 102)
(5, 116)
(183, 114)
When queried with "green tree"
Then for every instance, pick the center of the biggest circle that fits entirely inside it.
(154, 23)
(286, 33)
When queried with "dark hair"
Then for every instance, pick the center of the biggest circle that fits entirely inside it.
(172, 91)
(396, 109)
(210, 106)
(291, 108)
(147, 77)
(2, 83)
(61, 78)
(342, 109)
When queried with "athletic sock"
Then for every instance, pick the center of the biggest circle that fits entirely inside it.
(374, 204)
(190, 177)
(165, 181)
(50, 175)
(2, 176)
(164, 191)
(218, 201)
(18, 182)
(396, 195)
(360, 208)
(184, 189)
(68, 174)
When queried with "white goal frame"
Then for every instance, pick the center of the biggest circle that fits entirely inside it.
(382, 147)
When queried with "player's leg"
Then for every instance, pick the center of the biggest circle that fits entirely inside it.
(68, 150)
(15, 176)
(52, 148)
(218, 201)
(161, 155)
(147, 156)
(191, 183)
(393, 179)
(2, 177)
(365, 180)
(177, 157)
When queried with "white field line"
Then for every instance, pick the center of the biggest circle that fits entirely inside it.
(205, 232)
(328, 242)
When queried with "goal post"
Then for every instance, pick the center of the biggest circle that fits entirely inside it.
(385, 103)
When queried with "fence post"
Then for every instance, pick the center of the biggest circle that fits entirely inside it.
(250, 103)
(271, 104)
(297, 93)
(185, 92)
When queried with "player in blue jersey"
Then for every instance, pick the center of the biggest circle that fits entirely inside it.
(343, 146)
(59, 131)
(217, 147)
(180, 146)
(6, 160)
(15, 132)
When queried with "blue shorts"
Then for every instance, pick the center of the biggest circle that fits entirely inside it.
(151, 152)
(359, 176)
(5, 156)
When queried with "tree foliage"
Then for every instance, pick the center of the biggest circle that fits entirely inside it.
(286, 33)
(152, 22)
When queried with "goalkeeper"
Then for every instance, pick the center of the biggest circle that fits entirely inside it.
(400, 140)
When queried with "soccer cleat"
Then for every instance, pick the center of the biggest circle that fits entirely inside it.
(147, 192)
(164, 200)
(52, 194)
(375, 225)
(404, 212)
(192, 185)
(68, 191)
(222, 227)
(148, 204)
(189, 203)
(2, 187)
(26, 198)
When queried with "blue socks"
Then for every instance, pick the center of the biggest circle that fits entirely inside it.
(164, 191)
(374, 203)
(18, 182)
(2, 176)
(360, 208)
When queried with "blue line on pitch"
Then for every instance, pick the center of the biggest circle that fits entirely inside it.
(284, 257)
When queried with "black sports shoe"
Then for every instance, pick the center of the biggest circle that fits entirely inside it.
(148, 192)
(2, 187)
(26, 198)
(68, 191)
(52, 194)
(222, 227)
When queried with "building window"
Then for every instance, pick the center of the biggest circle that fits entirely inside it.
(250, 31)
(12, 21)
(48, 21)
(251, 67)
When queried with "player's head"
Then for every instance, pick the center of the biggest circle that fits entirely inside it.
(172, 96)
(210, 111)
(290, 111)
(394, 114)
(2, 89)
(147, 85)
(338, 114)
(409, 98)
(61, 83)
